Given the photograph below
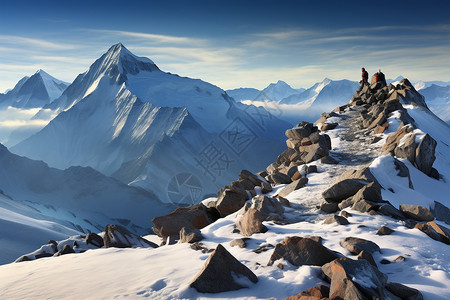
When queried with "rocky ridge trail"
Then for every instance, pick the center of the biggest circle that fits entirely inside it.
(317, 222)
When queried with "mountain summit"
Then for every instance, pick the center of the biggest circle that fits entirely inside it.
(34, 92)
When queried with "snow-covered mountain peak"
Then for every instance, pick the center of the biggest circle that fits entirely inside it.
(119, 59)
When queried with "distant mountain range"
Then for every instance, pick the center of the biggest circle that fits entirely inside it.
(126, 118)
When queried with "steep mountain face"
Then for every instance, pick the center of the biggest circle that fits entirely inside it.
(79, 198)
(34, 92)
(438, 100)
(115, 115)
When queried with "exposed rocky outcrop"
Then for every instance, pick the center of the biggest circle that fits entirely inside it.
(416, 212)
(437, 232)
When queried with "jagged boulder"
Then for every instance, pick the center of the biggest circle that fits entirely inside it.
(297, 184)
(355, 279)
(441, 212)
(367, 256)
(302, 251)
(356, 245)
(219, 273)
(267, 206)
(384, 230)
(241, 243)
(370, 192)
(190, 235)
(342, 190)
(195, 216)
(227, 203)
(436, 232)
(279, 178)
(403, 291)
(336, 219)
(251, 222)
(425, 154)
(94, 239)
(66, 249)
(329, 207)
(120, 237)
(416, 212)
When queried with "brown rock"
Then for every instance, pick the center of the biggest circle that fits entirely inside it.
(279, 178)
(370, 192)
(345, 214)
(241, 243)
(251, 222)
(190, 235)
(193, 216)
(435, 231)
(342, 273)
(342, 190)
(416, 212)
(314, 293)
(328, 160)
(362, 205)
(298, 184)
(219, 272)
(336, 219)
(302, 251)
(356, 245)
(328, 126)
(381, 128)
(367, 256)
(228, 202)
(406, 147)
(384, 231)
(94, 239)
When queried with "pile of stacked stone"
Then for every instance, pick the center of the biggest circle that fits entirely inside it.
(382, 101)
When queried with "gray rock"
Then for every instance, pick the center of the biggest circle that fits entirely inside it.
(403, 291)
(279, 178)
(336, 219)
(241, 243)
(267, 206)
(425, 155)
(302, 251)
(66, 249)
(229, 202)
(389, 210)
(367, 256)
(219, 272)
(384, 230)
(343, 189)
(441, 212)
(356, 245)
(119, 237)
(251, 222)
(293, 187)
(190, 235)
(344, 272)
(362, 205)
(416, 212)
(436, 232)
(370, 192)
(94, 239)
(407, 147)
(329, 207)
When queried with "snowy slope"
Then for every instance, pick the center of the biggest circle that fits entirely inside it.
(34, 92)
(165, 272)
(78, 197)
(438, 100)
(23, 229)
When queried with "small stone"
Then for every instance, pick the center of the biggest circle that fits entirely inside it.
(293, 186)
(384, 262)
(280, 266)
(367, 256)
(329, 207)
(384, 231)
(356, 245)
(336, 219)
(345, 214)
(329, 160)
(241, 243)
(400, 258)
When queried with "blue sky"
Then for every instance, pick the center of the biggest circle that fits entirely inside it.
(231, 43)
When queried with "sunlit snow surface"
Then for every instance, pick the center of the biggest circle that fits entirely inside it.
(166, 272)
